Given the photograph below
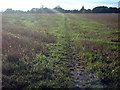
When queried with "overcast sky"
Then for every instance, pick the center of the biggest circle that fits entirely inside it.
(66, 4)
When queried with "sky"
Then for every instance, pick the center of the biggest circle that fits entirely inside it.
(65, 4)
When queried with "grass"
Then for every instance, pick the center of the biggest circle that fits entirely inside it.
(39, 50)
(99, 51)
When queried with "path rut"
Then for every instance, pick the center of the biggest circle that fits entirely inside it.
(81, 78)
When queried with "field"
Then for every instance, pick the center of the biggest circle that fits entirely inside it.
(60, 51)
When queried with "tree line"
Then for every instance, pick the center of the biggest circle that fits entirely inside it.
(58, 9)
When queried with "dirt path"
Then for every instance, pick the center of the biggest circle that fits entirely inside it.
(81, 78)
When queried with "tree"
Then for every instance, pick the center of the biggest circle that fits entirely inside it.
(113, 10)
(88, 11)
(75, 11)
(9, 10)
(100, 9)
(59, 9)
(82, 9)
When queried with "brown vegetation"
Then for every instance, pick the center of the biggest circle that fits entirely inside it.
(19, 42)
(110, 20)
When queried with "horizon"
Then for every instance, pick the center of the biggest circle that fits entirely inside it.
(67, 5)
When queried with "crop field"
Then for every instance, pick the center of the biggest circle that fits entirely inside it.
(60, 51)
